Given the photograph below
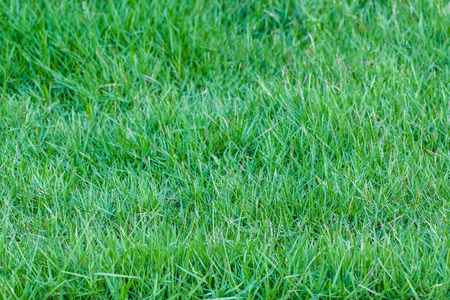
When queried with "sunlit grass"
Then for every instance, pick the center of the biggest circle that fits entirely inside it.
(224, 149)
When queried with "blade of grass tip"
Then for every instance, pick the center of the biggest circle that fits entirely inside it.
(12, 291)
(412, 288)
(155, 285)
(49, 294)
(75, 274)
(367, 289)
(77, 243)
(337, 272)
(190, 273)
(116, 275)
(228, 298)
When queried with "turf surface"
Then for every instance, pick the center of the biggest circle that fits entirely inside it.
(224, 149)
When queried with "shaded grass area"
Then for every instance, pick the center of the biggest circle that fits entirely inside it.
(224, 149)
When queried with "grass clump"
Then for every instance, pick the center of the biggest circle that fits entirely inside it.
(224, 149)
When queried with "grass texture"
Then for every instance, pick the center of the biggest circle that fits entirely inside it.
(224, 149)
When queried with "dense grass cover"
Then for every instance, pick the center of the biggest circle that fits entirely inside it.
(224, 149)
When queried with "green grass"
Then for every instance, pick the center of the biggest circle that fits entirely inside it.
(225, 149)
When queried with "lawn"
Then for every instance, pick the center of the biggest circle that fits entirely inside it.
(225, 149)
